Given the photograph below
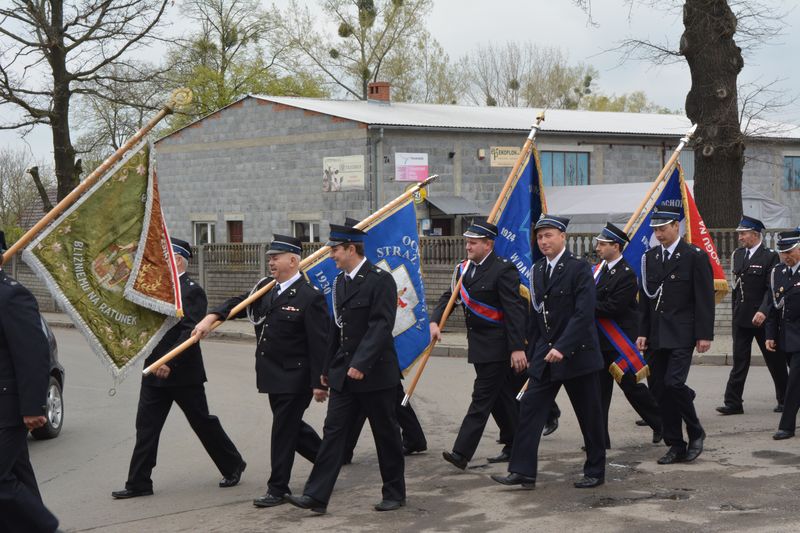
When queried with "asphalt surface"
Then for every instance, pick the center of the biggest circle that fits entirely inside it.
(744, 481)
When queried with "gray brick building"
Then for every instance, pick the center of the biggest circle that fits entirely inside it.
(256, 167)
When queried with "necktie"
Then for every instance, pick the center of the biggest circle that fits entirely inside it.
(472, 270)
(666, 255)
(275, 292)
(746, 262)
(547, 272)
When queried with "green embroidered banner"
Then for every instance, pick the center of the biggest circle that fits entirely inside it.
(108, 262)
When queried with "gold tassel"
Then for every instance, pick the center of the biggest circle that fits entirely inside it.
(525, 292)
(616, 371)
(643, 373)
(721, 288)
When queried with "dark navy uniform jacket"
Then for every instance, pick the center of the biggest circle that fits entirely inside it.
(751, 284)
(24, 355)
(783, 323)
(366, 312)
(187, 368)
(291, 340)
(495, 283)
(685, 312)
(566, 321)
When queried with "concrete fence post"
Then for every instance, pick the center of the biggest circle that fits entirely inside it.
(201, 265)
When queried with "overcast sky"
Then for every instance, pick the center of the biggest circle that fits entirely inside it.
(459, 25)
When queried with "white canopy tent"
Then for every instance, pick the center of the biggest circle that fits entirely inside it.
(590, 206)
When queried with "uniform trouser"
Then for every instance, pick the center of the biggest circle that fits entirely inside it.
(669, 369)
(410, 428)
(154, 406)
(637, 394)
(21, 507)
(290, 434)
(742, 347)
(491, 387)
(506, 422)
(584, 394)
(791, 402)
(381, 409)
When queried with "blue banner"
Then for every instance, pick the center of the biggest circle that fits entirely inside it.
(642, 238)
(524, 204)
(392, 243)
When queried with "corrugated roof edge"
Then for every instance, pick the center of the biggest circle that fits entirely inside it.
(298, 102)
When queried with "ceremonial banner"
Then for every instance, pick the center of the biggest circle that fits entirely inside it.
(392, 243)
(641, 235)
(108, 261)
(675, 192)
(521, 207)
(697, 234)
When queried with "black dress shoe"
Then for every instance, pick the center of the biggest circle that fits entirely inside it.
(233, 479)
(550, 427)
(269, 500)
(589, 482)
(695, 448)
(456, 459)
(778, 408)
(512, 479)
(672, 457)
(729, 410)
(412, 451)
(656, 437)
(782, 434)
(641, 423)
(504, 457)
(130, 493)
(307, 502)
(390, 505)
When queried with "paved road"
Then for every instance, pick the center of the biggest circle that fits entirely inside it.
(744, 481)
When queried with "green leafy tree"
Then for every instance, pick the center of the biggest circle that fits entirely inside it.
(234, 52)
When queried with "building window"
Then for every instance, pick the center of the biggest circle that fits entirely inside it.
(564, 168)
(791, 173)
(235, 231)
(204, 233)
(306, 231)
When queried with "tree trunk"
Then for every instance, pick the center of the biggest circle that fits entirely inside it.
(714, 62)
(63, 151)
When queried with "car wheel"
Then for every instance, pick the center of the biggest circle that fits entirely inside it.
(55, 413)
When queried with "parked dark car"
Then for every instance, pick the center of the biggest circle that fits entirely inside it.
(55, 398)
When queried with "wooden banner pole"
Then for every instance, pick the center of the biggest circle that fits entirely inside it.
(647, 197)
(492, 218)
(179, 97)
(311, 259)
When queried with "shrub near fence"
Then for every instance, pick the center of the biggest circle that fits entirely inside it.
(225, 270)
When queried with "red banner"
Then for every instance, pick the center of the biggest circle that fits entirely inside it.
(698, 234)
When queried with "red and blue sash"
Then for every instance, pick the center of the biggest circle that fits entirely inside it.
(630, 359)
(485, 311)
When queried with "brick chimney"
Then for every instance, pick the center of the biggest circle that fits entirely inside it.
(379, 91)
